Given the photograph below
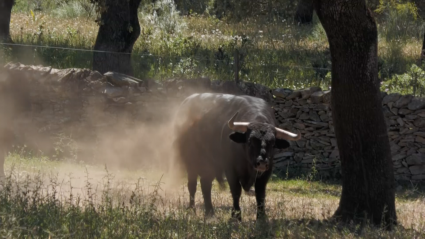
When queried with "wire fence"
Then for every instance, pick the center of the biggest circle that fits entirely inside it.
(146, 65)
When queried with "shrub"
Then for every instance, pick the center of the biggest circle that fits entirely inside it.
(411, 82)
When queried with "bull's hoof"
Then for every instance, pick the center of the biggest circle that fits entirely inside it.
(237, 215)
(191, 208)
(209, 213)
(262, 217)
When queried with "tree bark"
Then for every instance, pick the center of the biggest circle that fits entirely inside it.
(360, 128)
(304, 13)
(5, 13)
(118, 31)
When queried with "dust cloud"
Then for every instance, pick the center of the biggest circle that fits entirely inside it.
(128, 147)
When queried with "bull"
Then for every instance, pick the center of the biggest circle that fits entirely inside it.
(227, 135)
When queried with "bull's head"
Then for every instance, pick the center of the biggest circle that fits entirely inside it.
(261, 140)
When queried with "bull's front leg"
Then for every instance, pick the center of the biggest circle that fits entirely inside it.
(191, 185)
(260, 195)
(236, 189)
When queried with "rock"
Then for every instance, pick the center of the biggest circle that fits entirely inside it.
(411, 117)
(415, 159)
(324, 117)
(402, 171)
(118, 79)
(113, 92)
(398, 157)
(404, 111)
(422, 114)
(327, 96)
(306, 93)
(387, 112)
(408, 131)
(299, 156)
(393, 97)
(317, 97)
(402, 177)
(299, 126)
(284, 154)
(404, 164)
(416, 104)
(249, 88)
(403, 101)
(418, 177)
(418, 169)
(420, 122)
(301, 143)
(293, 95)
(419, 139)
(304, 116)
(282, 92)
(334, 154)
(324, 107)
(397, 164)
(314, 116)
(94, 76)
(400, 122)
(422, 134)
(394, 148)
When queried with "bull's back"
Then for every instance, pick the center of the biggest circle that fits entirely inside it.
(201, 127)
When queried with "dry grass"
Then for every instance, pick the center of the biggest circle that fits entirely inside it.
(296, 208)
(277, 54)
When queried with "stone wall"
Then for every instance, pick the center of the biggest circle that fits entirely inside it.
(309, 112)
(86, 104)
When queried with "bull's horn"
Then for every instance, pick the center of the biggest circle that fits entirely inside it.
(283, 134)
(237, 126)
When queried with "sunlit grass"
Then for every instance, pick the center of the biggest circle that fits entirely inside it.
(276, 54)
(44, 198)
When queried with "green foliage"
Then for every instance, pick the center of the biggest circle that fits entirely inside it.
(411, 82)
(74, 9)
(276, 52)
(401, 19)
(164, 18)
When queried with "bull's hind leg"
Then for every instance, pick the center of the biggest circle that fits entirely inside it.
(206, 185)
(191, 185)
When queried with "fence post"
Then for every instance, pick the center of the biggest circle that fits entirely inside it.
(236, 65)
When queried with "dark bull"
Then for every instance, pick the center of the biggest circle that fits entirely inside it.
(205, 122)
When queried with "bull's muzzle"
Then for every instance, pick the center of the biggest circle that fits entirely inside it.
(262, 164)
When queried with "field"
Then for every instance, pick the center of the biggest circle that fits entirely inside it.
(43, 198)
(277, 53)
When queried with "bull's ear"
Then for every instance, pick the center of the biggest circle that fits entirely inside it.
(281, 144)
(238, 137)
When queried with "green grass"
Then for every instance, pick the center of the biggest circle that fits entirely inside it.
(277, 53)
(43, 198)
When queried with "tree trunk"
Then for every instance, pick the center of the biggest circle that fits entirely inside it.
(5, 13)
(360, 128)
(304, 13)
(118, 31)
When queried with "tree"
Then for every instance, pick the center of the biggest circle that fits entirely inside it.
(304, 13)
(118, 31)
(360, 128)
(5, 13)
